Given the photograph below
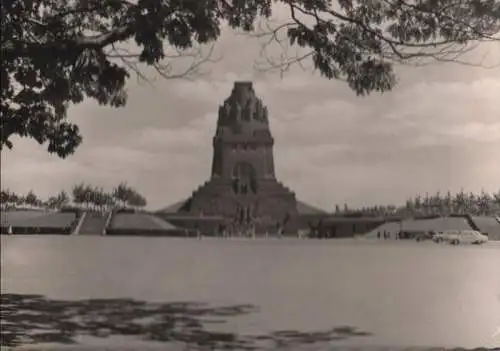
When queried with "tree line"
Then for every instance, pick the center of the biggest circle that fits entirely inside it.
(438, 204)
(124, 196)
(82, 195)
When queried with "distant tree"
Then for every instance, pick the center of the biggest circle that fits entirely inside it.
(109, 201)
(58, 201)
(88, 193)
(436, 203)
(484, 203)
(4, 195)
(20, 200)
(418, 203)
(472, 203)
(136, 200)
(9, 198)
(62, 199)
(78, 193)
(409, 204)
(427, 204)
(44, 203)
(90, 196)
(121, 194)
(448, 202)
(31, 199)
(391, 209)
(142, 202)
(100, 198)
(460, 202)
(52, 202)
(496, 202)
(16, 199)
(58, 53)
(97, 198)
(4, 198)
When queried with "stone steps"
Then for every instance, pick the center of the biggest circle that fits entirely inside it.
(93, 224)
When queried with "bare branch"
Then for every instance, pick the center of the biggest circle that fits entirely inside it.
(198, 57)
(392, 50)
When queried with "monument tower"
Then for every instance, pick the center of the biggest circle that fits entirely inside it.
(243, 186)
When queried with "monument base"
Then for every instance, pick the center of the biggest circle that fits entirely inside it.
(273, 207)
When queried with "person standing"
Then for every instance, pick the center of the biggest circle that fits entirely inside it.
(280, 230)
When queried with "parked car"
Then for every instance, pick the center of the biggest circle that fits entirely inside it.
(469, 237)
(456, 237)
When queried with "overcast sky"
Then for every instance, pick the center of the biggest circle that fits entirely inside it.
(438, 130)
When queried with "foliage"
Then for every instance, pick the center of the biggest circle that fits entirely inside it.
(437, 204)
(62, 199)
(4, 196)
(359, 41)
(121, 196)
(124, 196)
(129, 196)
(57, 53)
(31, 199)
(78, 193)
(121, 193)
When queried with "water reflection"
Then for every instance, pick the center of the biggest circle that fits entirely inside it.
(32, 319)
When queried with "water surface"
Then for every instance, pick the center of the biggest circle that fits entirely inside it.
(387, 293)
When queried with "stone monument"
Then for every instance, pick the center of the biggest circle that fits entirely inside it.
(243, 187)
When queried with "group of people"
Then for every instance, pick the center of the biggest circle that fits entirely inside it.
(384, 235)
(237, 229)
(243, 229)
(388, 235)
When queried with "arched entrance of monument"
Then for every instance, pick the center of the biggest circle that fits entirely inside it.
(244, 184)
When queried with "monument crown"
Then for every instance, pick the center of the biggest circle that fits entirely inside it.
(242, 86)
(242, 110)
(243, 134)
(242, 93)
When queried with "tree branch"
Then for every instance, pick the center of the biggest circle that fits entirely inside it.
(27, 49)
